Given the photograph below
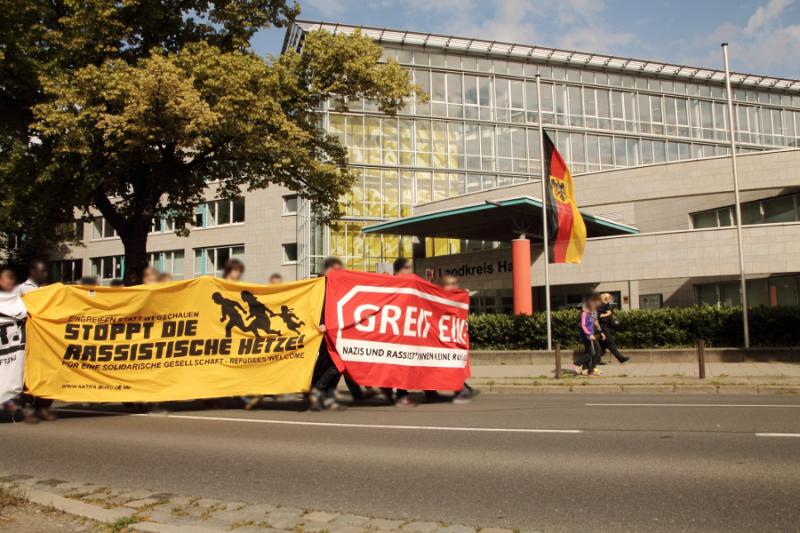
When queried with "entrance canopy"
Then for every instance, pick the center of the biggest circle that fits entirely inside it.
(501, 220)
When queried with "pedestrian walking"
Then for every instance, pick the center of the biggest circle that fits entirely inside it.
(584, 364)
(609, 324)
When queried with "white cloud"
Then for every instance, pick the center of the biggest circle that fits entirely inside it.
(766, 14)
(765, 44)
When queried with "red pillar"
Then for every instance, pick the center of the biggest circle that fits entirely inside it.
(521, 272)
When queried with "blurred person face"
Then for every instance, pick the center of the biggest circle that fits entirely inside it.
(7, 280)
(164, 277)
(38, 272)
(235, 274)
(335, 266)
(408, 268)
(150, 275)
(275, 279)
(450, 283)
(607, 298)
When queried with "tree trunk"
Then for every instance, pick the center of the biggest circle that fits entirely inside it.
(135, 243)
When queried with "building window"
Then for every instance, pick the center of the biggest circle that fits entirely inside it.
(108, 268)
(162, 225)
(170, 262)
(66, 271)
(784, 208)
(290, 252)
(219, 213)
(101, 229)
(651, 301)
(290, 204)
(212, 260)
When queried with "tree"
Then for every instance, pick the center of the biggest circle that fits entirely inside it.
(133, 108)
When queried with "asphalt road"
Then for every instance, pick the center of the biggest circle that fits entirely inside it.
(672, 463)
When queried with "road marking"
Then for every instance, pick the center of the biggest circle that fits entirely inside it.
(777, 434)
(331, 424)
(692, 405)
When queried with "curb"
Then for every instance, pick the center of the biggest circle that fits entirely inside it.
(75, 507)
(153, 527)
(666, 388)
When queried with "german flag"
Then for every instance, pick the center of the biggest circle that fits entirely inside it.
(565, 225)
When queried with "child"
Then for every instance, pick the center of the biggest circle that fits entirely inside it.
(585, 363)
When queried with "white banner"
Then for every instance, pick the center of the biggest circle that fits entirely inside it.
(12, 345)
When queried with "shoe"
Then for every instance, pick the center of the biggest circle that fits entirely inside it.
(433, 397)
(596, 372)
(579, 371)
(29, 415)
(315, 400)
(624, 360)
(602, 363)
(47, 415)
(251, 401)
(465, 395)
(11, 407)
(405, 401)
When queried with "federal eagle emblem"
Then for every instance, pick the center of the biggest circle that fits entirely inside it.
(559, 190)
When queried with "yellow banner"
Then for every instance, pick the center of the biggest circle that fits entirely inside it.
(200, 338)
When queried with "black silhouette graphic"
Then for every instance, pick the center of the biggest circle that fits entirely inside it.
(259, 312)
(291, 320)
(229, 311)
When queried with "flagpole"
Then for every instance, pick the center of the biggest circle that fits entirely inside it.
(738, 205)
(544, 215)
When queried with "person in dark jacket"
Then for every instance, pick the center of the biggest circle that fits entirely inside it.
(605, 314)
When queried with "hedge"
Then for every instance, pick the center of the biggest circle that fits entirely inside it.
(659, 328)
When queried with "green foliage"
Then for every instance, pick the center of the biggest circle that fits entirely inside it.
(132, 108)
(660, 328)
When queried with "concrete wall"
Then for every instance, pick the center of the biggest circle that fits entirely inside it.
(263, 233)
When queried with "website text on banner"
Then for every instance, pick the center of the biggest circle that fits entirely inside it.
(12, 345)
(397, 331)
(201, 338)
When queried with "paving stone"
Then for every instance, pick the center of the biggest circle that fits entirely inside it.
(233, 506)
(456, 529)
(283, 521)
(144, 502)
(420, 527)
(347, 529)
(495, 530)
(208, 503)
(316, 527)
(351, 520)
(384, 524)
(289, 510)
(50, 482)
(319, 516)
(181, 500)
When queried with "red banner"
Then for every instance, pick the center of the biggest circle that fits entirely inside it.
(397, 331)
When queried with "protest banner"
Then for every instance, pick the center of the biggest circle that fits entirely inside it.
(12, 345)
(397, 331)
(200, 338)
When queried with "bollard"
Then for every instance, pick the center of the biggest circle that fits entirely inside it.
(701, 358)
(558, 360)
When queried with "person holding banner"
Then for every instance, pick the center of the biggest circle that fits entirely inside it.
(35, 409)
(450, 283)
(8, 280)
(326, 375)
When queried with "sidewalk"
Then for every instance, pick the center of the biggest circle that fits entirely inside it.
(772, 377)
(120, 510)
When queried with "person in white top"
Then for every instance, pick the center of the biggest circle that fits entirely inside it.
(35, 409)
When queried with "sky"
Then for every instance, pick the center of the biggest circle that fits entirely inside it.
(764, 35)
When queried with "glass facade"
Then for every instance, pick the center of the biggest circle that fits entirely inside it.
(479, 130)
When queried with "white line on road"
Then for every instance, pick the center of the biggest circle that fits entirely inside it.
(777, 434)
(691, 405)
(331, 424)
